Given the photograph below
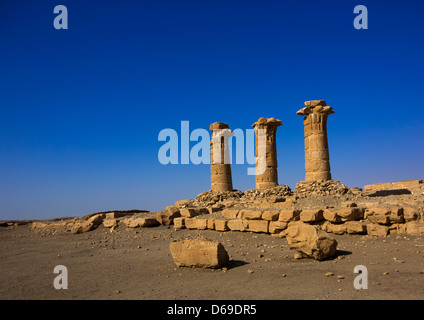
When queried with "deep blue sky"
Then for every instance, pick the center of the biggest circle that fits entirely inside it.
(81, 108)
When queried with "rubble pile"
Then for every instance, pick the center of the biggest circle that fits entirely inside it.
(321, 187)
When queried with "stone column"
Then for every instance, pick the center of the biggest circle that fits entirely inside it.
(220, 166)
(266, 153)
(317, 158)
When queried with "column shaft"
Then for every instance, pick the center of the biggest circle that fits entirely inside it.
(317, 158)
(266, 177)
(221, 179)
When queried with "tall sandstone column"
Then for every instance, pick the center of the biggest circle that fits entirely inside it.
(266, 153)
(221, 179)
(317, 158)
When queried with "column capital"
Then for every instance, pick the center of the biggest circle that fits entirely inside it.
(265, 122)
(315, 106)
(218, 126)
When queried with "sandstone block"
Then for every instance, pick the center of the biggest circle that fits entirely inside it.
(110, 222)
(289, 215)
(214, 209)
(96, 220)
(251, 214)
(195, 223)
(192, 212)
(411, 213)
(179, 223)
(166, 217)
(199, 253)
(378, 215)
(414, 228)
(351, 214)
(277, 226)
(221, 225)
(396, 215)
(210, 223)
(336, 228)
(270, 215)
(374, 229)
(331, 215)
(81, 227)
(258, 226)
(230, 213)
(237, 225)
(310, 241)
(311, 215)
(355, 227)
(114, 215)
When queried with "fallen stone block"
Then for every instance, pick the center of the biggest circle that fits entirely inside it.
(81, 227)
(310, 241)
(199, 253)
(110, 222)
(96, 220)
(166, 217)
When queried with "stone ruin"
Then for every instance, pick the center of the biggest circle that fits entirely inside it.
(305, 216)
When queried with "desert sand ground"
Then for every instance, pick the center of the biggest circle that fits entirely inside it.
(137, 264)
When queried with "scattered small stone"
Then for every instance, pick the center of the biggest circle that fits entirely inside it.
(250, 271)
(329, 274)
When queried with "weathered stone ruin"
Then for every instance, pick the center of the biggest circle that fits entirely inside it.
(317, 207)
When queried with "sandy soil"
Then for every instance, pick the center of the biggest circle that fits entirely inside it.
(137, 264)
